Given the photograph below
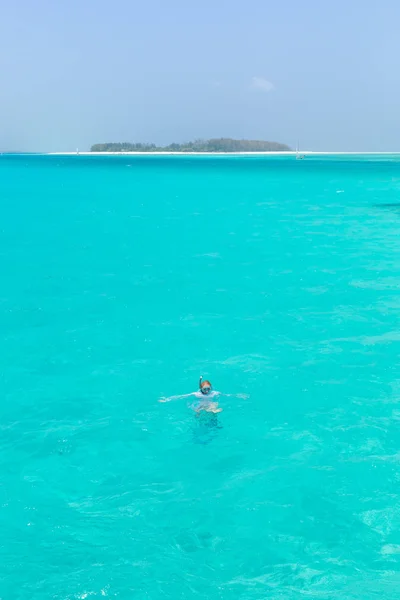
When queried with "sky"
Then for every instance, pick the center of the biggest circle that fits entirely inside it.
(79, 72)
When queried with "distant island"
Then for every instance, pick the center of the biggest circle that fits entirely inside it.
(213, 145)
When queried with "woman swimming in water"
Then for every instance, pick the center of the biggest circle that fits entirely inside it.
(204, 395)
(206, 392)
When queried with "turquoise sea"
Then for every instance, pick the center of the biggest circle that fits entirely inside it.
(125, 278)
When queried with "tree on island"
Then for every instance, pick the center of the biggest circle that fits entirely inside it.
(212, 145)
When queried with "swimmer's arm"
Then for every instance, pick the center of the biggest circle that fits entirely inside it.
(241, 396)
(179, 397)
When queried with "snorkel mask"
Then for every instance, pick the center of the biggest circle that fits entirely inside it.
(205, 386)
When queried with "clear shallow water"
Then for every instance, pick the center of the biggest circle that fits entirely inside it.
(125, 278)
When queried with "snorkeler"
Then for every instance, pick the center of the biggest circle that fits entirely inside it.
(204, 395)
(205, 389)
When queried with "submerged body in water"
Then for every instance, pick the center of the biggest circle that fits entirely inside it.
(204, 404)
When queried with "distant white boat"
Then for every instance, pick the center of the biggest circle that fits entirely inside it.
(298, 155)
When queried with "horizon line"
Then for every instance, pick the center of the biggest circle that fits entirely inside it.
(254, 152)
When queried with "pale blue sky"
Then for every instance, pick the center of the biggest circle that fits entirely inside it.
(78, 72)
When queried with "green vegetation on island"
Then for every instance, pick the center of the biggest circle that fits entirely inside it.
(213, 145)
